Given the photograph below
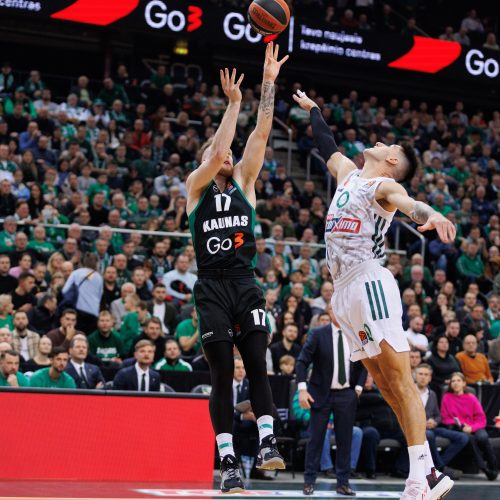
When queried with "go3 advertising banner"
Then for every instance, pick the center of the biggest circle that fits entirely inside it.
(305, 40)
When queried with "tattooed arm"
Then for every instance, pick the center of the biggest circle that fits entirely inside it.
(247, 170)
(394, 197)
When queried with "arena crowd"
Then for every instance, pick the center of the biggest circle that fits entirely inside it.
(107, 161)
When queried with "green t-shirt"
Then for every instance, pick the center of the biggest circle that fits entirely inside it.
(444, 210)
(44, 248)
(180, 366)
(41, 378)
(21, 380)
(6, 242)
(460, 175)
(130, 329)
(468, 266)
(186, 329)
(106, 347)
(98, 188)
(7, 322)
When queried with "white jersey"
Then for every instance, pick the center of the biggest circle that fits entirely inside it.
(356, 224)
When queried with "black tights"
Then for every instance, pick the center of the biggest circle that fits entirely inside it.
(220, 358)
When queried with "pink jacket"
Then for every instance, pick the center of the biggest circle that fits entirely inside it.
(466, 407)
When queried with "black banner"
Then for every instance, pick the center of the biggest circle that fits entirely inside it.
(308, 42)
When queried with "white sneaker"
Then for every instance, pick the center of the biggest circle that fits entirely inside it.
(440, 485)
(415, 490)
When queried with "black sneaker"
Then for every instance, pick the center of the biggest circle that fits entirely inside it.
(439, 486)
(230, 479)
(269, 457)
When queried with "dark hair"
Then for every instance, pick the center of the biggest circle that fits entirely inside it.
(24, 275)
(90, 260)
(159, 285)
(69, 311)
(58, 350)
(154, 320)
(409, 153)
(426, 366)
(10, 352)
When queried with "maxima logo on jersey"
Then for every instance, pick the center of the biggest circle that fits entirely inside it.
(343, 225)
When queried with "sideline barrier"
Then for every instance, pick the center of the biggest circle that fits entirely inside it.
(105, 436)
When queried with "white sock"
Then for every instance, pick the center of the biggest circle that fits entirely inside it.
(225, 444)
(265, 426)
(429, 463)
(417, 463)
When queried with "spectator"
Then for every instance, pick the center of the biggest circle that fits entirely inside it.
(6, 310)
(111, 291)
(24, 341)
(286, 346)
(55, 376)
(415, 336)
(457, 440)
(180, 282)
(90, 288)
(136, 316)
(472, 22)
(85, 375)
(442, 362)
(141, 287)
(152, 331)
(164, 311)
(42, 318)
(62, 336)
(188, 334)
(463, 412)
(172, 360)
(9, 370)
(118, 306)
(473, 364)
(491, 42)
(22, 298)
(415, 359)
(41, 358)
(105, 343)
(7, 282)
(139, 377)
(287, 365)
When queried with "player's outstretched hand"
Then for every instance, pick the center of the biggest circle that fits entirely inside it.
(230, 86)
(303, 101)
(272, 65)
(445, 229)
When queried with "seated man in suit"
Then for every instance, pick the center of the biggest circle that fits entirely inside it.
(330, 388)
(245, 433)
(458, 440)
(85, 375)
(140, 376)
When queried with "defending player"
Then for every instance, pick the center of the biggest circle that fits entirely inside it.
(367, 301)
(230, 304)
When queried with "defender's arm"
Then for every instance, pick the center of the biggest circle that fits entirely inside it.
(338, 164)
(396, 197)
(223, 138)
(253, 156)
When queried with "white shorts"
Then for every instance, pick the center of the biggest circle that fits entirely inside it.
(367, 304)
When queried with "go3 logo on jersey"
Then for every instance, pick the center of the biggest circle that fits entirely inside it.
(214, 244)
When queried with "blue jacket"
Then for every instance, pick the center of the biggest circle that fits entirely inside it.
(318, 350)
(126, 380)
(92, 374)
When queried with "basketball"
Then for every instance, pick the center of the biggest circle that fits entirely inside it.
(268, 17)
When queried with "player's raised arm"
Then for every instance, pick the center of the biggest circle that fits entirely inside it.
(253, 157)
(397, 197)
(219, 149)
(338, 164)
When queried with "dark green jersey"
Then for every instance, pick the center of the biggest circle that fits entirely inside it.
(222, 225)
